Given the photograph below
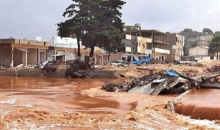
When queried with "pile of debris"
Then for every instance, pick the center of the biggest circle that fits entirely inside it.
(76, 69)
(73, 69)
(164, 82)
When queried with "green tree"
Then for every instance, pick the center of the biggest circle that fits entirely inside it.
(214, 46)
(72, 27)
(98, 20)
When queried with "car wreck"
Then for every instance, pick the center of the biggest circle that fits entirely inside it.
(164, 82)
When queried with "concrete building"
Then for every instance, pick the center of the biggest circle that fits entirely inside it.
(199, 51)
(149, 43)
(21, 51)
(176, 43)
(194, 38)
(17, 51)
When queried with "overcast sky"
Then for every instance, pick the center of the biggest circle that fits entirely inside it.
(30, 18)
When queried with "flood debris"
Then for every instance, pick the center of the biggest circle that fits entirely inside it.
(73, 69)
(164, 82)
(76, 69)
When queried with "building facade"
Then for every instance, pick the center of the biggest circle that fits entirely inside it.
(199, 51)
(14, 52)
(194, 38)
(176, 43)
(148, 43)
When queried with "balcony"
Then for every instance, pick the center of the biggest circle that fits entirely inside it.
(159, 50)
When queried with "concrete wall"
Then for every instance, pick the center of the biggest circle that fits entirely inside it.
(102, 59)
(5, 55)
(59, 74)
(175, 46)
(43, 56)
(18, 57)
(32, 56)
(198, 51)
(115, 56)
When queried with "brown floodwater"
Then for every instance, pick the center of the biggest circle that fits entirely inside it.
(201, 104)
(66, 93)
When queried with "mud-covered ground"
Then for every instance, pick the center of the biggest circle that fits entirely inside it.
(38, 104)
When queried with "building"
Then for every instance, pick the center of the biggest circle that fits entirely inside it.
(147, 43)
(176, 43)
(20, 51)
(137, 26)
(199, 51)
(194, 38)
(14, 52)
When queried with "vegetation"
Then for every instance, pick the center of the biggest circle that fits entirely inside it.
(214, 46)
(95, 22)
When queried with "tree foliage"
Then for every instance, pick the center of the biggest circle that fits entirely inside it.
(214, 46)
(95, 22)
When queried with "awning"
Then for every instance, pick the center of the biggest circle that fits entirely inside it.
(62, 53)
(43, 50)
(22, 49)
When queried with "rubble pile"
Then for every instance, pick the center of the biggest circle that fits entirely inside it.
(50, 67)
(126, 86)
(76, 67)
(164, 82)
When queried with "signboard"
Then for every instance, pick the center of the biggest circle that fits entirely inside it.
(65, 42)
(38, 39)
(159, 50)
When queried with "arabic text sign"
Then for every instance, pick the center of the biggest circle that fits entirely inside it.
(65, 42)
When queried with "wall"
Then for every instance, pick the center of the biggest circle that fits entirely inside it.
(43, 56)
(198, 51)
(5, 55)
(32, 56)
(18, 57)
(115, 56)
(175, 46)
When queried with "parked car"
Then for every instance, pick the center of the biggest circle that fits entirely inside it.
(119, 63)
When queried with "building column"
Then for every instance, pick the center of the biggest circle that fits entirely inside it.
(64, 55)
(95, 58)
(38, 56)
(55, 52)
(102, 60)
(12, 57)
(26, 57)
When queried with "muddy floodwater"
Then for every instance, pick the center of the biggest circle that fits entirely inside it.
(51, 103)
(64, 92)
(201, 104)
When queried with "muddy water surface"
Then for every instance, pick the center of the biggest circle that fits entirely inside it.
(201, 104)
(63, 92)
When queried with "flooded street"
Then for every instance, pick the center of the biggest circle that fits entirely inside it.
(54, 103)
(64, 92)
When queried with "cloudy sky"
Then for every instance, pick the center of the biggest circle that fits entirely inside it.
(30, 18)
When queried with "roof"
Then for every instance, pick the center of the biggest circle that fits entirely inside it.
(204, 47)
(145, 31)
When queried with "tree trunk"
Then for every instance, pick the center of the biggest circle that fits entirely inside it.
(109, 58)
(78, 49)
(217, 55)
(92, 48)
